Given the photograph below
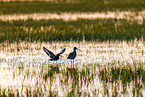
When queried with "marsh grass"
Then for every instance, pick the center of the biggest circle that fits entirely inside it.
(110, 68)
(126, 74)
(59, 30)
(114, 67)
(53, 80)
(18, 7)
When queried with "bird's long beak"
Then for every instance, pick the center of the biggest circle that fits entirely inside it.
(79, 50)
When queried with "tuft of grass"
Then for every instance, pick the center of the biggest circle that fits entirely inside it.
(52, 70)
(126, 74)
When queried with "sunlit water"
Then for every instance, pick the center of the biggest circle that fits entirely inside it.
(92, 52)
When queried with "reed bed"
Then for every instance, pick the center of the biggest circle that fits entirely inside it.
(57, 6)
(59, 30)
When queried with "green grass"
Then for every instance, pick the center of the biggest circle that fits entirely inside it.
(59, 30)
(126, 74)
(76, 6)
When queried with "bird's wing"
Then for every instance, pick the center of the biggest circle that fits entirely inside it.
(62, 51)
(49, 53)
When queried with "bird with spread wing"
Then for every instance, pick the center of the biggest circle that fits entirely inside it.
(51, 55)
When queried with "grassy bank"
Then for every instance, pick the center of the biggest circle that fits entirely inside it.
(19, 7)
(59, 30)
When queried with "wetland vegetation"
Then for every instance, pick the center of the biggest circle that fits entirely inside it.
(111, 64)
(102, 69)
(55, 80)
(59, 30)
(57, 6)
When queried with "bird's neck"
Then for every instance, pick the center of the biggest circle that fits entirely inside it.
(74, 50)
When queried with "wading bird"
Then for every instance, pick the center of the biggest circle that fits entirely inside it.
(51, 55)
(73, 54)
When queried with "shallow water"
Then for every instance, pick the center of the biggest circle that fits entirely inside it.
(93, 52)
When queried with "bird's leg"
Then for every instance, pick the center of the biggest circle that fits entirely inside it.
(73, 62)
(56, 61)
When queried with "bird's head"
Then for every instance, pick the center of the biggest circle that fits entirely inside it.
(75, 48)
